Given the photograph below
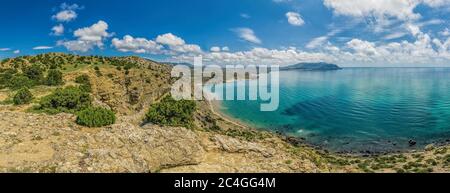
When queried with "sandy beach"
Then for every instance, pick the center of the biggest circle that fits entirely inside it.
(215, 109)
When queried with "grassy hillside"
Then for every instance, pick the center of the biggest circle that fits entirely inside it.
(116, 82)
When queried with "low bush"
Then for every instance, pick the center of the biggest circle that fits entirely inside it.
(170, 112)
(86, 88)
(23, 96)
(34, 73)
(70, 99)
(6, 75)
(85, 83)
(96, 117)
(83, 79)
(54, 78)
(19, 81)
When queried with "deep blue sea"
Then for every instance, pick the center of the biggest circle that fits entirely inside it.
(357, 109)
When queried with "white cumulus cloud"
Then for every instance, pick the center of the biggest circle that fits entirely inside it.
(95, 32)
(65, 16)
(220, 49)
(168, 44)
(400, 9)
(295, 19)
(226, 49)
(67, 13)
(215, 49)
(170, 39)
(58, 30)
(136, 45)
(88, 37)
(177, 44)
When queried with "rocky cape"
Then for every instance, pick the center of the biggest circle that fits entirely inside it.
(312, 67)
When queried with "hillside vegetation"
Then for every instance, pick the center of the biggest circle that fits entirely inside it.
(68, 113)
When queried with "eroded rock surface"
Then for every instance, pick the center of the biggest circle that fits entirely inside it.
(55, 144)
(44, 143)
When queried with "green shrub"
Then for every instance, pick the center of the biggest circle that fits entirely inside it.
(23, 96)
(170, 112)
(86, 88)
(85, 82)
(83, 79)
(96, 117)
(129, 66)
(6, 75)
(54, 78)
(34, 73)
(70, 99)
(19, 81)
(54, 66)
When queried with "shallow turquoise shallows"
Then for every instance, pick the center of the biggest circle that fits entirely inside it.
(357, 109)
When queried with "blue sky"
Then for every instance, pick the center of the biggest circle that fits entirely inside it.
(347, 32)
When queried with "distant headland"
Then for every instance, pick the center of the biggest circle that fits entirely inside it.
(321, 66)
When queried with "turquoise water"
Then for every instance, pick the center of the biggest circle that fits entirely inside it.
(357, 109)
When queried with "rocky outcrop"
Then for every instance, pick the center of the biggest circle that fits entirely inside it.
(229, 155)
(232, 145)
(42, 143)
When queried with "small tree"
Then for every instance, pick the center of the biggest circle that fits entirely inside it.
(6, 75)
(23, 96)
(19, 81)
(96, 117)
(83, 79)
(70, 99)
(34, 73)
(54, 78)
(85, 82)
(170, 112)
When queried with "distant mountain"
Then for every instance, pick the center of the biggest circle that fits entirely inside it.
(321, 66)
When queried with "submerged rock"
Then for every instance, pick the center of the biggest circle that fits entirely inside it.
(412, 143)
(294, 141)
